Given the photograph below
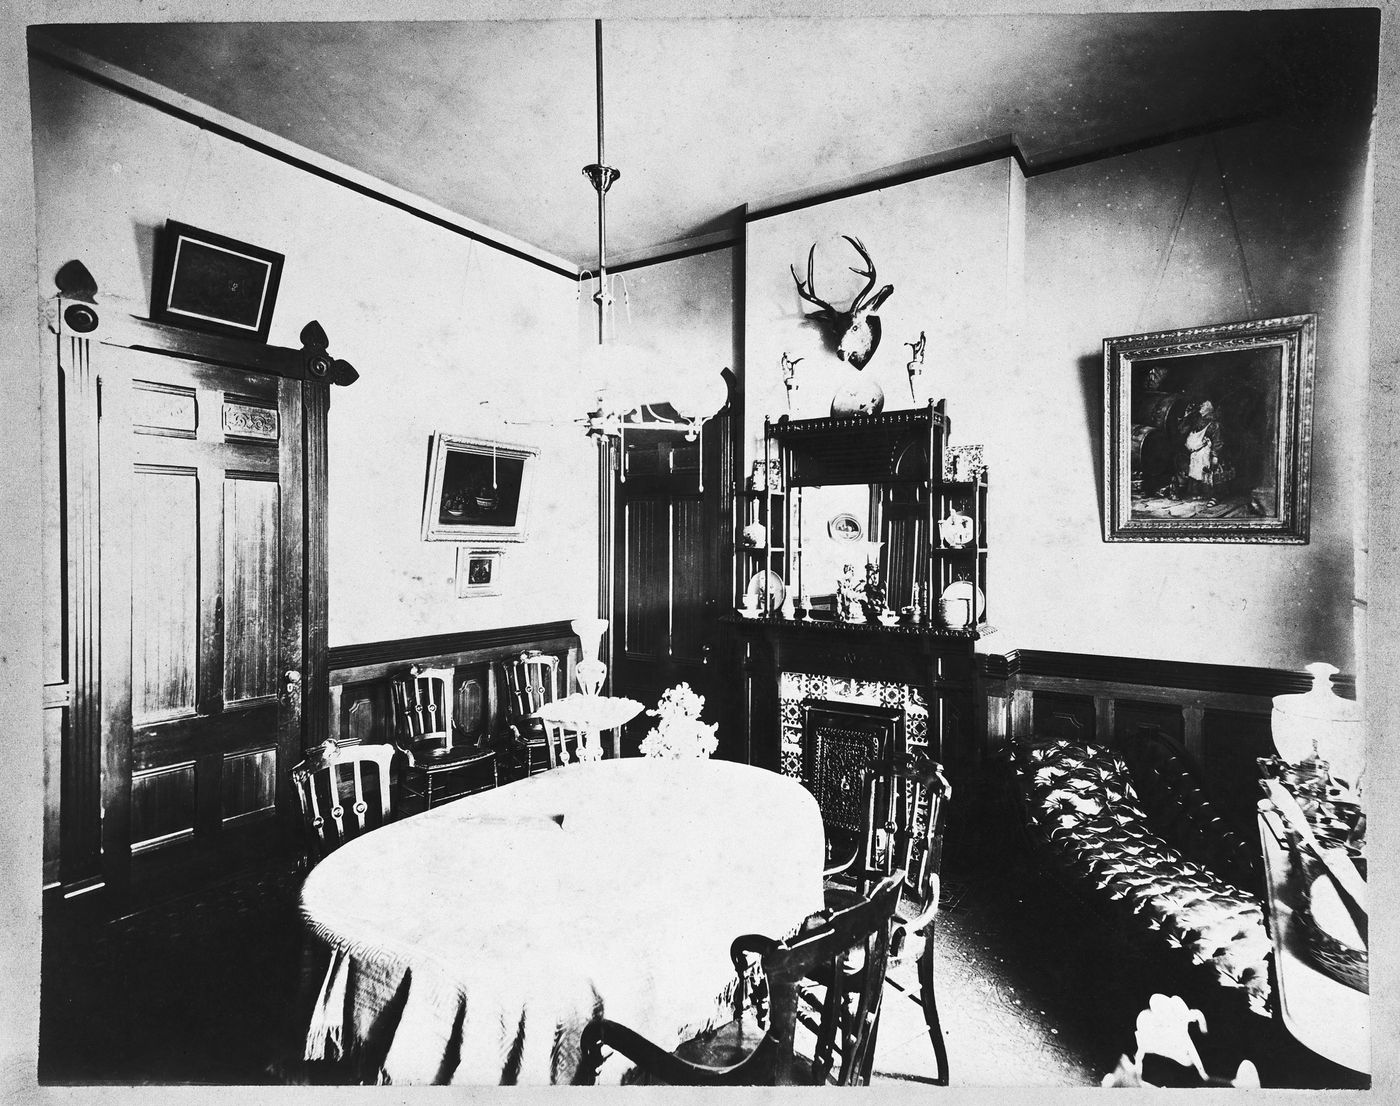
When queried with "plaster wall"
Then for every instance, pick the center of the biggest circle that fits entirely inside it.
(447, 334)
(1017, 282)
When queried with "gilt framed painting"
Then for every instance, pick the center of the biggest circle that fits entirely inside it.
(206, 281)
(478, 490)
(1208, 432)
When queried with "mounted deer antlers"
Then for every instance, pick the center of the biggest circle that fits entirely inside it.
(854, 332)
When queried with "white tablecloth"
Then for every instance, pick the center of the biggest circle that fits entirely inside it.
(471, 943)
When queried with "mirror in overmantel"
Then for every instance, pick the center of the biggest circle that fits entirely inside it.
(835, 542)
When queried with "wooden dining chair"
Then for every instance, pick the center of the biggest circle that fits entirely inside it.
(903, 816)
(531, 681)
(339, 798)
(562, 742)
(423, 732)
(852, 943)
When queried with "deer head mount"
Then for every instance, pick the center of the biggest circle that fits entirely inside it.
(855, 332)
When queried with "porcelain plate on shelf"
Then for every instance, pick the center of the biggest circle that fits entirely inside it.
(963, 589)
(776, 589)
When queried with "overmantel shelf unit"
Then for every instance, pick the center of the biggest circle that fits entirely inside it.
(901, 457)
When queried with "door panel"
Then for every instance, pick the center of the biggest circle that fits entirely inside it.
(164, 593)
(669, 585)
(251, 540)
(690, 629)
(207, 503)
(646, 577)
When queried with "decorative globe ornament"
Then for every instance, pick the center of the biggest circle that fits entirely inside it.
(860, 396)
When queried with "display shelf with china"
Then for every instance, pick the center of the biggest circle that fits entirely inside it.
(761, 543)
(960, 549)
(915, 508)
(853, 542)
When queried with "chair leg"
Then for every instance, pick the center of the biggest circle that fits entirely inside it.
(930, 1005)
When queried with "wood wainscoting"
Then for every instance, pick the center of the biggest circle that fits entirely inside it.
(359, 677)
(1219, 713)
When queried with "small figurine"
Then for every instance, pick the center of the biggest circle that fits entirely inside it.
(849, 596)
(872, 592)
(916, 363)
(790, 376)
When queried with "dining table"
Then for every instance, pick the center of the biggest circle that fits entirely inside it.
(471, 943)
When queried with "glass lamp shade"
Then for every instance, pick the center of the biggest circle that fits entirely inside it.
(696, 394)
(618, 375)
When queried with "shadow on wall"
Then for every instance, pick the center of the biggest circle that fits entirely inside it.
(1091, 388)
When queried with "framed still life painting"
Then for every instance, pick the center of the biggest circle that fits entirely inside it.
(1208, 432)
(478, 490)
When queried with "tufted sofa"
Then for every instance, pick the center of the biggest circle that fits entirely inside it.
(1145, 842)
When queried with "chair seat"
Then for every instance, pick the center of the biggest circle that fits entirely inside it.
(722, 1047)
(432, 756)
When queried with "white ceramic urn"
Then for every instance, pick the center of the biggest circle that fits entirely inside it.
(1321, 723)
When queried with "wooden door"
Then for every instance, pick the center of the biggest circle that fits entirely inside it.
(671, 559)
(202, 611)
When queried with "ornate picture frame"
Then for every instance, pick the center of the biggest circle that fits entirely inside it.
(1208, 432)
(209, 282)
(478, 490)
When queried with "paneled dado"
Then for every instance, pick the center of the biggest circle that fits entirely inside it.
(360, 674)
(1219, 713)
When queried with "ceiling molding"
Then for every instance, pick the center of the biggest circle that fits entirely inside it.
(188, 110)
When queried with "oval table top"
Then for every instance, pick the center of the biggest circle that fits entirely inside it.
(472, 943)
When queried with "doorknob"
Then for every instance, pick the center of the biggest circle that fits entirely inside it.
(705, 654)
(293, 678)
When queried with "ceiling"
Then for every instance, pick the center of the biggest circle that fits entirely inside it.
(494, 120)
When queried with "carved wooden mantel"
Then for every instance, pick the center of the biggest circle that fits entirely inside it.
(939, 664)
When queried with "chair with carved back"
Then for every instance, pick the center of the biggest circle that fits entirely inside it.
(902, 823)
(531, 681)
(423, 732)
(840, 741)
(853, 944)
(343, 793)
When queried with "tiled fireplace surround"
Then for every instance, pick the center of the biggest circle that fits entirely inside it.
(795, 687)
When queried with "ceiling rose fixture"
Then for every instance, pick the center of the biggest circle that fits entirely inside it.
(628, 389)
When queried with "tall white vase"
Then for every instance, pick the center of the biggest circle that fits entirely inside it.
(591, 671)
(1321, 723)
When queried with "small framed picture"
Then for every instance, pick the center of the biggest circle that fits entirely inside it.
(478, 572)
(208, 282)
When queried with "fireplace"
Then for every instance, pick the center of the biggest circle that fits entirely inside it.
(840, 740)
(929, 678)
